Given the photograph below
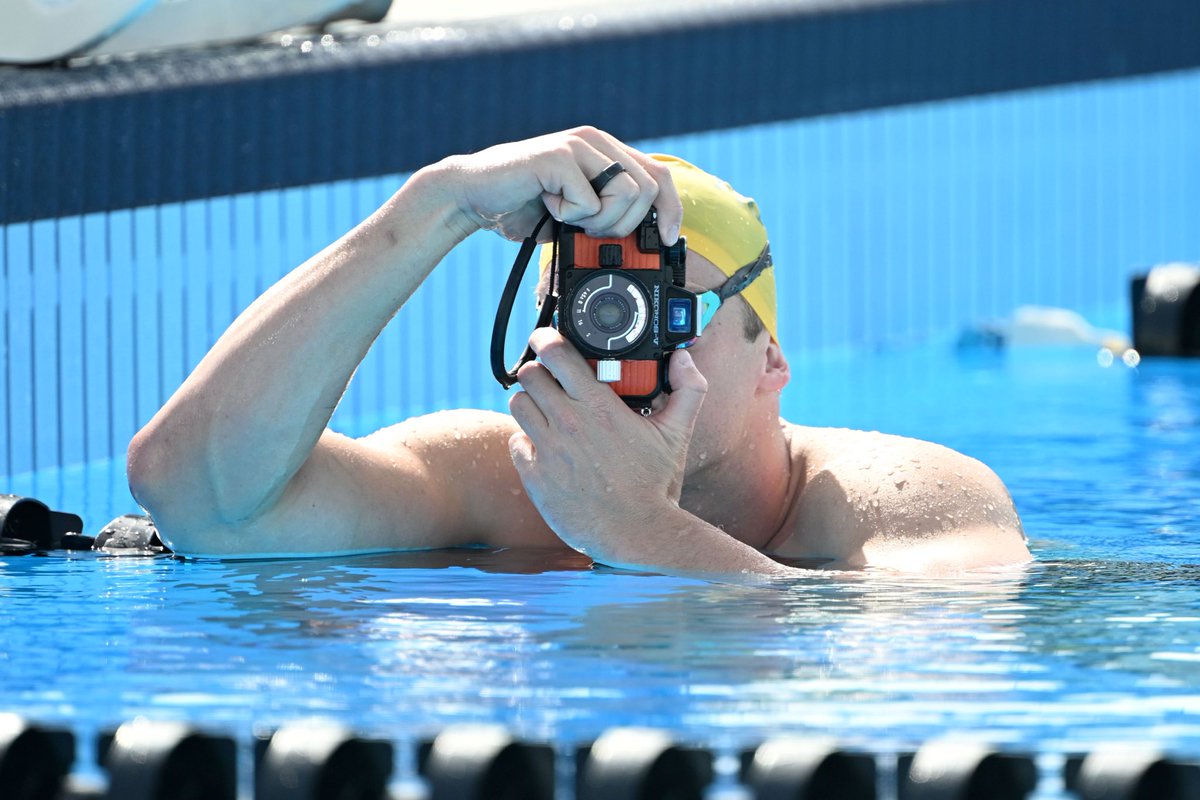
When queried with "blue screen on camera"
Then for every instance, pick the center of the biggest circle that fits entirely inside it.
(679, 315)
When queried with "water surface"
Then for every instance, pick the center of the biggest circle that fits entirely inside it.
(1097, 641)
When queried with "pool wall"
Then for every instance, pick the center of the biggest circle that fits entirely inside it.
(890, 226)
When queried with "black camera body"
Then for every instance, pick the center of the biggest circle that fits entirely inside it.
(621, 302)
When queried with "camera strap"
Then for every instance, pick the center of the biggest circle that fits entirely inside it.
(505, 376)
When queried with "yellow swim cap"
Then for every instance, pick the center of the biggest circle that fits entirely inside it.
(724, 227)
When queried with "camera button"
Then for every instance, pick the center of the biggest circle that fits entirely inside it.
(608, 371)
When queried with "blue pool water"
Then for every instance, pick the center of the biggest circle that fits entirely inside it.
(1098, 641)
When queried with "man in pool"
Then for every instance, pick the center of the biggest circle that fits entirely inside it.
(239, 462)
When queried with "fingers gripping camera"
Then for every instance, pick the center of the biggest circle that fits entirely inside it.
(620, 302)
(623, 305)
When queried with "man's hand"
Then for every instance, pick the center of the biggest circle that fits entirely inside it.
(507, 188)
(604, 477)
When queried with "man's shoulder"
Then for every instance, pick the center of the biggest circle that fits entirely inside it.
(849, 448)
(864, 490)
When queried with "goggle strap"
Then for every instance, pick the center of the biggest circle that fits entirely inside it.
(745, 276)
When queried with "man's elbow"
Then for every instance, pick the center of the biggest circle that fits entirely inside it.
(146, 467)
(163, 482)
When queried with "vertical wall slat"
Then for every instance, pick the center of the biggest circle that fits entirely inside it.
(173, 275)
(48, 350)
(145, 321)
(6, 417)
(220, 268)
(247, 249)
(72, 378)
(125, 365)
(97, 349)
(197, 314)
(21, 347)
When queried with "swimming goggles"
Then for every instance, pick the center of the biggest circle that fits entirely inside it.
(711, 300)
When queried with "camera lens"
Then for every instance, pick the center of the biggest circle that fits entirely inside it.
(608, 313)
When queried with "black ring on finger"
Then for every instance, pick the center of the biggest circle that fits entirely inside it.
(607, 174)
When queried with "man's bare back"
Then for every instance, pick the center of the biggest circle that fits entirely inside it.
(239, 462)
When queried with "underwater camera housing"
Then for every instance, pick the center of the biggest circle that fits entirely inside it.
(621, 302)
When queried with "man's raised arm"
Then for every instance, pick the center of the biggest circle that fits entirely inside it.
(239, 461)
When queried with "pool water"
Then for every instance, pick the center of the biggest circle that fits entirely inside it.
(1098, 641)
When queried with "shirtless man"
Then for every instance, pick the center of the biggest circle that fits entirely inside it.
(239, 462)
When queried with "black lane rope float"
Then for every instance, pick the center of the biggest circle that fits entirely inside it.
(318, 759)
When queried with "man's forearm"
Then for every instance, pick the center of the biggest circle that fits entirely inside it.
(678, 543)
(246, 419)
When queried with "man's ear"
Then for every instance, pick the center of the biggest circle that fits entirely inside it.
(776, 372)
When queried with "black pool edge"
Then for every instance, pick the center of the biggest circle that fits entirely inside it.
(169, 127)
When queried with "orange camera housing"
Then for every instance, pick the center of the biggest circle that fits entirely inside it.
(622, 300)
